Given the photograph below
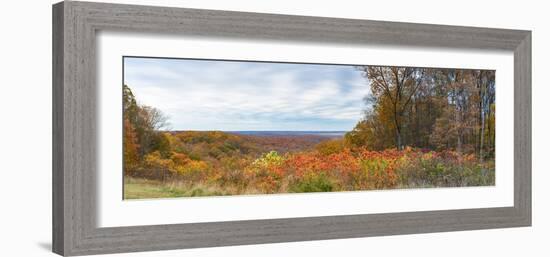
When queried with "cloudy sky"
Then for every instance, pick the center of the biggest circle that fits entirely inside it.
(238, 96)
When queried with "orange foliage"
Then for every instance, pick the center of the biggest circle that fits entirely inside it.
(130, 146)
(238, 166)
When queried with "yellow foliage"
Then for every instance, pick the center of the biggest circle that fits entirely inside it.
(330, 146)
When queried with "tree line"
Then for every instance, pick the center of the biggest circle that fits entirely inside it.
(142, 135)
(427, 108)
(436, 109)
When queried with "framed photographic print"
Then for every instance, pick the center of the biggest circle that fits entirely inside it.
(183, 128)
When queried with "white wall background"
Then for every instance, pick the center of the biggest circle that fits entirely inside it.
(25, 128)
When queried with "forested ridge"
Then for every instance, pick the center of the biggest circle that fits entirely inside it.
(437, 109)
(423, 127)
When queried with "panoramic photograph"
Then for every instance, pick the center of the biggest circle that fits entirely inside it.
(194, 127)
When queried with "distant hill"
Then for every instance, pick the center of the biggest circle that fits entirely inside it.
(254, 142)
(332, 134)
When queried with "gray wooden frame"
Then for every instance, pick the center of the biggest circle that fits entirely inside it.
(74, 126)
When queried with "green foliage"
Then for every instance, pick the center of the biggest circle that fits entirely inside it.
(313, 182)
(160, 142)
(434, 170)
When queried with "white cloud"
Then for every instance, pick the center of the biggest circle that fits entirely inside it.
(219, 95)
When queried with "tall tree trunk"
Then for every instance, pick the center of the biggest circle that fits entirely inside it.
(482, 95)
(482, 136)
(489, 129)
(479, 124)
(396, 119)
(458, 125)
(480, 116)
(399, 143)
(458, 131)
(399, 131)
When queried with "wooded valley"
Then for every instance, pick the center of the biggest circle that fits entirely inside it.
(421, 128)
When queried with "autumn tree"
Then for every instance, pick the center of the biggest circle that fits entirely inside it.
(450, 109)
(142, 128)
(372, 131)
(130, 147)
(395, 86)
(485, 84)
(455, 121)
(467, 121)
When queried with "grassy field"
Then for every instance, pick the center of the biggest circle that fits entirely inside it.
(137, 188)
